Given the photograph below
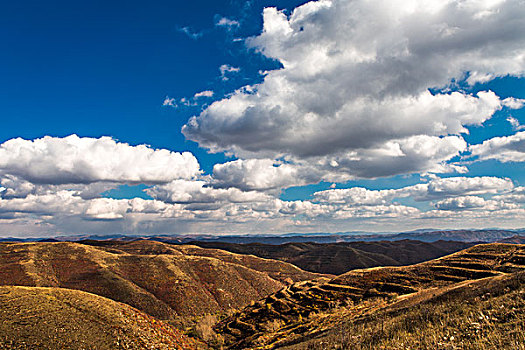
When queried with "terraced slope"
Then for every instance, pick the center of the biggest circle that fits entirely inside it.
(55, 318)
(308, 308)
(487, 314)
(338, 258)
(165, 282)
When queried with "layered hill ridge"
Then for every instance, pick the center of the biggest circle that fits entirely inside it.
(56, 318)
(309, 309)
(165, 281)
(488, 314)
(338, 258)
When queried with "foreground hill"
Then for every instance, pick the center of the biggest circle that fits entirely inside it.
(308, 310)
(338, 258)
(481, 314)
(167, 282)
(55, 318)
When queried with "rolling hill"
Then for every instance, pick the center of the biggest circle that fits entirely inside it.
(338, 258)
(56, 318)
(309, 310)
(168, 282)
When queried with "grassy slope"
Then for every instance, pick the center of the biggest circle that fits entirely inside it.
(484, 314)
(55, 318)
(312, 309)
(165, 282)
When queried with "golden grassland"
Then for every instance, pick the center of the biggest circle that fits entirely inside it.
(489, 314)
(308, 310)
(56, 318)
(172, 283)
(186, 297)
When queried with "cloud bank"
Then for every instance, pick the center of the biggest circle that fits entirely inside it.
(356, 81)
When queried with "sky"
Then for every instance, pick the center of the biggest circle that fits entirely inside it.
(261, 117)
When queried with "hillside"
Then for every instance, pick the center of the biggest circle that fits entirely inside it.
(338, 258)
(167, 282)
(281, 271)
(55, 318)
(307, 310)
(483, 314)
(514, 240)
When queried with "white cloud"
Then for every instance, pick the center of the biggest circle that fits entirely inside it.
(514, 103)
(355, 196)
(457, 186)
(259, 174)
(504, 149)
(377, 211)
(227, 69)
(436, 189)
(83, 160)
(515, 123)
(195, 206)
(183, 191)
(355, 80)
(517, 195)
(473, 203)
(169, 101)
(206, 93)
(226, 22)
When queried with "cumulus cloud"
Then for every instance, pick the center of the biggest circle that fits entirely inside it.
(457, 186)
(260, 174)
(436, 189)
(198, 204)
(472, 202)
(355, 82)
(355, 196)
(82, 160)
(504, 149)
(517, 195)
(183, 191)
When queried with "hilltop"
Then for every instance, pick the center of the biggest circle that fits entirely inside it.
(56, 318)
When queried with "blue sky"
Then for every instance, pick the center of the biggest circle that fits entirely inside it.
(310, 118)
(104, 68)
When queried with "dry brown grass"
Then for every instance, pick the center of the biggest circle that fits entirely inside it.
(56, 318)
(486, 315)
(312, 309)
(168, 282)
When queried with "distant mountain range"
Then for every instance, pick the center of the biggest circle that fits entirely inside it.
(424, 235)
